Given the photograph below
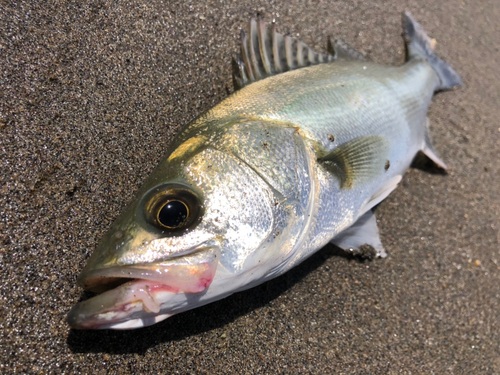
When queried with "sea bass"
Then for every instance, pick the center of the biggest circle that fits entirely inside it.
(297, 157)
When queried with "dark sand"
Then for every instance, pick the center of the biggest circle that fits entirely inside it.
(90, 97)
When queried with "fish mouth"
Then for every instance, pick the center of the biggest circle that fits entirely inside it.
(138, 295)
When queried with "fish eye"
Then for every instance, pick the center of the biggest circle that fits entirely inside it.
(172, 207)
(173, 214)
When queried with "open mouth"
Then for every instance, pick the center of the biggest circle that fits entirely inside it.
(140, 295)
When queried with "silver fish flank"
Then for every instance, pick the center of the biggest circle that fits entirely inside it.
(297, 157)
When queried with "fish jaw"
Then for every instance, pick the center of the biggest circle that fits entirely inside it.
(124, 306)
(151, 295)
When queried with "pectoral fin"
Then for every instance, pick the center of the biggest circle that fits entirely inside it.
(357, 161)
(361, 237)
(382, 193)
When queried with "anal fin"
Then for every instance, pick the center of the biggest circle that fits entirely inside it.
(427, 152)
(362, 235)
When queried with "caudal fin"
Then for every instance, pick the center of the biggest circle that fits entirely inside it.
(418, 44)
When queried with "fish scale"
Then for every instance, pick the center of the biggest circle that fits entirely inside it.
(257, 224)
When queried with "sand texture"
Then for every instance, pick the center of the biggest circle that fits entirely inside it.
(91, 94)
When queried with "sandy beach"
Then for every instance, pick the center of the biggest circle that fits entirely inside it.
(91, 95)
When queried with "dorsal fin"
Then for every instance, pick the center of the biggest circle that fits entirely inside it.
(342, 50)
(266, 52)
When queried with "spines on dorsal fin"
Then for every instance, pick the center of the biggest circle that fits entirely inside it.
(265, 52)
(342, 50)
(253, 48)
(265, 48)
(239, 72)
(279, 51)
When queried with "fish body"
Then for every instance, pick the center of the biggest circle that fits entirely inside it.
(294, 159)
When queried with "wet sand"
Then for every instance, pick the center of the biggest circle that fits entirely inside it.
(92, 94)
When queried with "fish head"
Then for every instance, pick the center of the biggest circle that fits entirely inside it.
(196, 226)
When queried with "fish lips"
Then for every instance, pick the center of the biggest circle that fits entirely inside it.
(138, 295)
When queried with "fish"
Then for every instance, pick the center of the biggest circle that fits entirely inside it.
(297, 157)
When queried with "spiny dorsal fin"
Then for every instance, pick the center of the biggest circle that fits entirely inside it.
(266, 52)
(357, 161)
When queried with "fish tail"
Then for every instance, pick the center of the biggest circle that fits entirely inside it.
(419, 45)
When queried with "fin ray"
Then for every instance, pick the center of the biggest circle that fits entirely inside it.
(278, 50)
(262, 33)
(358, 160)
(246, 56)
(265, 52)
(253, 47)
